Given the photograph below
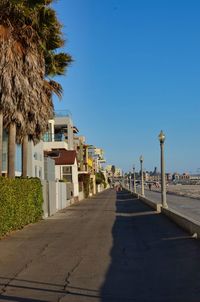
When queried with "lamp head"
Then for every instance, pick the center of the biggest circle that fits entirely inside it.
(141, 158)
(161, 137)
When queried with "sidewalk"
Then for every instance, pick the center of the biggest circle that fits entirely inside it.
(108, 248)
(186, 206)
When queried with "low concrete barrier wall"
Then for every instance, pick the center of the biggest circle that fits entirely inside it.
(187, 223)
(155, 206)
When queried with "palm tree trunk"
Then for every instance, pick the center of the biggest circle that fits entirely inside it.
(24, 156)
(1, 142)
(11, 150)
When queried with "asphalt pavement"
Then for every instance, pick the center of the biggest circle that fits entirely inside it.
(110, 247)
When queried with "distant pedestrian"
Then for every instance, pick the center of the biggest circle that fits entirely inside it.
(150, 186)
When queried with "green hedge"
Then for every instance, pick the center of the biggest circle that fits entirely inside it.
(100, 179)
(20, 203)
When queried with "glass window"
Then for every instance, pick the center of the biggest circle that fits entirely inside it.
(67, 170)
(67, 173)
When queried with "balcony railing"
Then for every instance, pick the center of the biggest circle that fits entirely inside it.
(54, 137)
(63, 113)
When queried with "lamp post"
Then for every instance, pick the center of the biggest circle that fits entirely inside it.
(134, 183)
(142, 179)
(161, 138)
(130, 181)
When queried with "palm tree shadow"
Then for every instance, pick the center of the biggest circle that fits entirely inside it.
(152, 260)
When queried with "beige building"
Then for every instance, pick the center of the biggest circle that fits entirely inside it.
(118, 171)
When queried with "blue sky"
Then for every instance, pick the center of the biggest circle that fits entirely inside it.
(136, 71)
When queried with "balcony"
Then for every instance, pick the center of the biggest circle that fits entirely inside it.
(63, 113)
(54, 137)
(55, 141)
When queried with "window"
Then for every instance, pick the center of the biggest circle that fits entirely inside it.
(67, 173)
(67, 170)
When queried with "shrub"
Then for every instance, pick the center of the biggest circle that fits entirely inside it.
(100, 179)
(86, 185)
(20, 203)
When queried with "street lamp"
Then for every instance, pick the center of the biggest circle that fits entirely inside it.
(134, 183)
(161, 138)
(142, 179)
(130, 181)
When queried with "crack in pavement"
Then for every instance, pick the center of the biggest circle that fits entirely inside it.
(67, 279)
(4, 288)
(10, 280)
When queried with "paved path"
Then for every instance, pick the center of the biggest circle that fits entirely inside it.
(107, 249)
(189, 207)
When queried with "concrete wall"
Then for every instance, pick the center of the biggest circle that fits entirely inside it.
(49, 169)
(68, 123)
(48, 146)
(45, 205)
(81, 196)
(59, 195)
(75, 179)
(74, 186)
(188, 224)
(35, 167)
(99, 188)
(62, 200)
(52, 197)
(55, 197)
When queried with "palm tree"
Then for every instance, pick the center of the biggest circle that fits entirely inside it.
(29, 35)
(1, 141)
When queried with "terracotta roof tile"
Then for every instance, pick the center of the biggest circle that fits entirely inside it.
(62, 156)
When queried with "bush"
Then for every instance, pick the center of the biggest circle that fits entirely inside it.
(20, 203)
(100, 179)
(86, 185)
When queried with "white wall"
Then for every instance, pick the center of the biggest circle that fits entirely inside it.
(59, 176)
(75, 179)
(48, 146)
(58, 172)
(67, 121)
(35, 167)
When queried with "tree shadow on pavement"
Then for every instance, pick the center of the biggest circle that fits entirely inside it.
(152, 260)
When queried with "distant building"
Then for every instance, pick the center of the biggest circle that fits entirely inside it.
(155, 175)
(118, 171)
(194, 177)
(175, 176)
(184, 176)
(97, 156)
(169, 176)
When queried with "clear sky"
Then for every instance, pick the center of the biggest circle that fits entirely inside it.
(136, 71)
